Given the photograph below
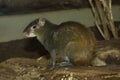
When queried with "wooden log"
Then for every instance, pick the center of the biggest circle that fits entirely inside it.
(31, 69)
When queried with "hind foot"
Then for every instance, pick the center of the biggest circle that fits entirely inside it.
(63, 64)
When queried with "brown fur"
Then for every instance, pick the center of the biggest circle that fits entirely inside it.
(80, 50)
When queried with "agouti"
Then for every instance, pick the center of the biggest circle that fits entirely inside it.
(72, 41)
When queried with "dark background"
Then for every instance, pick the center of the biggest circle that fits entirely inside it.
(27, 6)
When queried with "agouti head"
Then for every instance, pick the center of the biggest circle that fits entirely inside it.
(34, 27)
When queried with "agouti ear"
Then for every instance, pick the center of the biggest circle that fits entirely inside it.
(41, 21)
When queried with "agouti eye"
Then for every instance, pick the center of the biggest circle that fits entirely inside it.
(34, 27)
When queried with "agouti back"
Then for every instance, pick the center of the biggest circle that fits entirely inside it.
(70, 40)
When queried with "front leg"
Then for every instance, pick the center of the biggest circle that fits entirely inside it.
(53, 61)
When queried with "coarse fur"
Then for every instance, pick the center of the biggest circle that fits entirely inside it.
(70, 40)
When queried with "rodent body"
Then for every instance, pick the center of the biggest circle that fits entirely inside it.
(70, 40)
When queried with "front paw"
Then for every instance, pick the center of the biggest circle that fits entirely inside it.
(50, 67)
